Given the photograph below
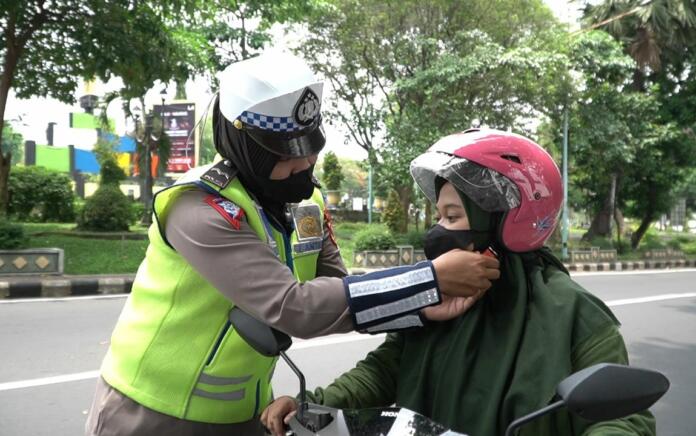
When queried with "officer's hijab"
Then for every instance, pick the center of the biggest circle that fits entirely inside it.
(254, 165)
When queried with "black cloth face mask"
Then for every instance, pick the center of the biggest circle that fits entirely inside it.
(440, 240)
(293, 189)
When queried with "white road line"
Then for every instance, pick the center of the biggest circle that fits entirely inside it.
(639, 300)
(631, 272)
(305, 344)
(333, 340)
(62, 299)
(48, 380)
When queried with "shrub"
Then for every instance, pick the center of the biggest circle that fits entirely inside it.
(375, 238)
(689, 248)
(108, 210)
(11, 236)
(39, 194)
(651, 241)
(393, 213)
(674, 244)
(415, 238)
(111, 173)
(138, 210)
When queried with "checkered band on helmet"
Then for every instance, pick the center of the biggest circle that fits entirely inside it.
(267, 122)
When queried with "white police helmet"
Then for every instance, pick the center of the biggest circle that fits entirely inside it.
(276, 99)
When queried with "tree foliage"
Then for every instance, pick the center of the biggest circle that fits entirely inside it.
(405, 73)
(660, 36)
(12, 143)
(333, 175)
(393, 214)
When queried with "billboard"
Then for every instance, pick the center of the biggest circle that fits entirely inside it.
(179, 120)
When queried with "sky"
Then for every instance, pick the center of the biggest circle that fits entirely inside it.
(31, 117)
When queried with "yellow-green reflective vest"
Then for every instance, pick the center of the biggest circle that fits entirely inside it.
(173, 349)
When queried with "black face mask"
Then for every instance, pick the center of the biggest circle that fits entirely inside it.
(440, 240)
(293, 189)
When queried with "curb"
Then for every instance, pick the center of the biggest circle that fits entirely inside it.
(67, 286)
(631, 265)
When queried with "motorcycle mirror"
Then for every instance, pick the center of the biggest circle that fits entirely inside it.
(603, 392)
(262, 338)
(609, 391)
(271, 342)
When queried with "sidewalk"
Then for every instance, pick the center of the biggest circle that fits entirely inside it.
(67, 285)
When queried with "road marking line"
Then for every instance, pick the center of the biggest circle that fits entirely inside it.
(64, 299)
(333, 340)
(639, 300)
(48, 380)
(305, 344)
(631, 272)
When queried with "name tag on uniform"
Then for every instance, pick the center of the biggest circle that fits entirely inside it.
(309, 228)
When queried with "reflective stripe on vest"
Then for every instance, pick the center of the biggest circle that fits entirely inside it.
(173, 349)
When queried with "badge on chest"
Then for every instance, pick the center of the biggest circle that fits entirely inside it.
(309, 228)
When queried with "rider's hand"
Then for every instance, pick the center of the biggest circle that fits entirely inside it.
(465, 273)
(279, 413)
(451, 307)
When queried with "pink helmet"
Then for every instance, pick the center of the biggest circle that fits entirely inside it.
(501, 172)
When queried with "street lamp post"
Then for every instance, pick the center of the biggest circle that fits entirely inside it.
(565, 222)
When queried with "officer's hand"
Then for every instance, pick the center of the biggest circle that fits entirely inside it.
(278, 414)
(465, 273)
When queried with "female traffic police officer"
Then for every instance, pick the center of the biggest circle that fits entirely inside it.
(251, 231)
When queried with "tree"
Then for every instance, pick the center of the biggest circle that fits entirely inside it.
(46, 46)
(332, 172)
(393, 214)
(606, 126)
(398, 68)
(151, 143)
(659, 35)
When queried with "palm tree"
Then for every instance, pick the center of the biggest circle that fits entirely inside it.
(652, 30)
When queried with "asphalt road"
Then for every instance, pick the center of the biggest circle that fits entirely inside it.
(50, 351)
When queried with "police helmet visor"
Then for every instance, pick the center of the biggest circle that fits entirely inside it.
(302, 143)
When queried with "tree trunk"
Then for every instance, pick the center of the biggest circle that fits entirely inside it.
(601, 224)
(619, 220)
(644, 226)
(428, 214)
(146, 195)
(405, 198)
(5, 163)
(11, 59)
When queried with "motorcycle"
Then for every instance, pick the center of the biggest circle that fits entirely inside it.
(601, 392)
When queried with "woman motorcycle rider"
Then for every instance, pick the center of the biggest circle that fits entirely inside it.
(250, 230)
(503, 358)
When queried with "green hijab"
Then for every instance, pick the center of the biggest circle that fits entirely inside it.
(504, 357)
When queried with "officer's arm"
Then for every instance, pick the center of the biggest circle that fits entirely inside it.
(243, 268)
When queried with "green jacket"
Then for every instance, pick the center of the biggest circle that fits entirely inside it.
(497, 362)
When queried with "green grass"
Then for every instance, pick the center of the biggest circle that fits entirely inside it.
(103, 256)
(345, 232)
(89, 255)
(95, 256)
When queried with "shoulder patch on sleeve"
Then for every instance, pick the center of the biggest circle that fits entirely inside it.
(329, 226)
(232, 213)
